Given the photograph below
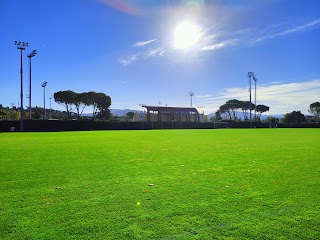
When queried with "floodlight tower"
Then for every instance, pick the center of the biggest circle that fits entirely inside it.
(44, 84)
(250, 75)
(50, 107)
(191, 95)
(255, 97)
(21, 46)
(30, 55)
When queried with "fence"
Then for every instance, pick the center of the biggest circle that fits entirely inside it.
(87, 125)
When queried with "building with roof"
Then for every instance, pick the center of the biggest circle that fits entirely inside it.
(168, 114)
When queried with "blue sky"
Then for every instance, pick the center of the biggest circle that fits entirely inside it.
(125, 48)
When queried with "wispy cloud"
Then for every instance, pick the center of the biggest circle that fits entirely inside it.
(141, 44)
(215, 46)
(281, 98)
(213, 39)
(249, 36)
(128, 60)
(155, 51)
(152, 52)
(288, 30)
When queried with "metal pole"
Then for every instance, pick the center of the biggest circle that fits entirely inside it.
(255, 99)
(250, 74)
(21, 93)
(31, 55)
(50, 108)
(191, 94)
(44, 84)
(30, 90)
(250, 105)
(21, 46)
(44, 101)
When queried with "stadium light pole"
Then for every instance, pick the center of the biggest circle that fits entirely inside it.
(250, 74)
(191, 95)
(50, 107)
(21, 46)
(44, 84)
(30, 55)
(255, 97)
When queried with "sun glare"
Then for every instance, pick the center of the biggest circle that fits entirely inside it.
(186, 35)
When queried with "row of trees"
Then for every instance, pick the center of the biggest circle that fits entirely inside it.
(293, 117)
(232, 107)
(314, 109)
(99, 102)
(298, 117)
(13, 113)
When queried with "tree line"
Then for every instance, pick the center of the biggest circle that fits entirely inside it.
(80, 101)
(298, 117)
(99, 102)
(233, 106)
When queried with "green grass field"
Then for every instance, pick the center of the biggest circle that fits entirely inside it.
(207, 184)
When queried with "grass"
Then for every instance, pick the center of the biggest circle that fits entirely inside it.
(207, 184)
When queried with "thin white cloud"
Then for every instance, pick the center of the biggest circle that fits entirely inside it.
(141, 44)
(287, 31)
(162, 53)
(226, 43)
(214, 40)
(128, 60)
(204, 96)
(209, 38)
(281, 98)
(154, 52)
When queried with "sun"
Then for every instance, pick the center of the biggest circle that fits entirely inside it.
(186, 35)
